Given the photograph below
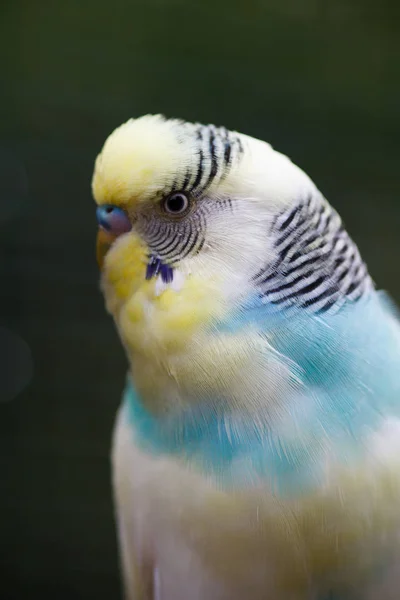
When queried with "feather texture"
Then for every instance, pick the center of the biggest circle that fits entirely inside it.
(257, 450)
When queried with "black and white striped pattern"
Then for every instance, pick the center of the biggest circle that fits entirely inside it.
(318, 266)
(218, 151)
(171, 240)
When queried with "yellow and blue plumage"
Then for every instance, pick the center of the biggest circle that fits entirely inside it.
(256, 451)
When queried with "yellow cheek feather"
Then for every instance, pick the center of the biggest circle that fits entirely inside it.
(152, 323)
(161, 325)
(124, 270)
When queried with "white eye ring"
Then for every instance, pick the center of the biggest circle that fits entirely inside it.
(176, 204)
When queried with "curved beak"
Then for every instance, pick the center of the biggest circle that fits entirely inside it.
(113, 221)
(104, 242)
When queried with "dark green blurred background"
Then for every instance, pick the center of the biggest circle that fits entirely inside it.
(320, 82)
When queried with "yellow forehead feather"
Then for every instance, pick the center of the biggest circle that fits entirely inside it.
(148, 157)
(139, 159)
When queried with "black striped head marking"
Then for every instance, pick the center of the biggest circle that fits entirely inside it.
(217, 152)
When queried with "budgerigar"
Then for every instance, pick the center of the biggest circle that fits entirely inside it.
(256, 453)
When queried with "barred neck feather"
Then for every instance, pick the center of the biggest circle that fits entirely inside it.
(318, 266)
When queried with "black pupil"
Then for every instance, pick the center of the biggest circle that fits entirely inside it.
(176, 203)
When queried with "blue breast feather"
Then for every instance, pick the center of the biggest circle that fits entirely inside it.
(349, 369)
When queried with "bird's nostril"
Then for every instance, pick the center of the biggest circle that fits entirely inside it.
(109, 209)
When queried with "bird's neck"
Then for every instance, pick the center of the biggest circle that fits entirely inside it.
(317, 265)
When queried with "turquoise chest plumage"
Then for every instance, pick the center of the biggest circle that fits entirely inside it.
(347, 367)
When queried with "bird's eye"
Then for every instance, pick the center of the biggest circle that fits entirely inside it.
(176, 204)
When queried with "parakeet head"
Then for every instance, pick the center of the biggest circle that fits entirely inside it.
(195, 222)
(195, 199)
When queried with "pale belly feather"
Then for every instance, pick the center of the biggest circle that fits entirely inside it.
(182, 539)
